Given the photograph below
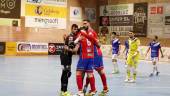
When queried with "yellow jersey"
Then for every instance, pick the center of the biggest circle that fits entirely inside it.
(133, 46)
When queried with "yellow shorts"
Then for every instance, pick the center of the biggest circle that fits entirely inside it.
(132, 62)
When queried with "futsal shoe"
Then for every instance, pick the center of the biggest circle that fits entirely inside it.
(65, 94)
(80, 93)
(151, 75)
(115, 72)
(91, 93)
(132, 81)
(103, 93)
(157, 73)
(127, 80)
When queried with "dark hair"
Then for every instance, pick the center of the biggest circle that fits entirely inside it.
(156, 37)
(74, 26)
(114, 33)
(87, 20)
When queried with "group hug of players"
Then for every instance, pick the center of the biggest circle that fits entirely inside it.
(84, 41)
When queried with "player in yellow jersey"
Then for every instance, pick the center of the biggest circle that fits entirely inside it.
(132, 57)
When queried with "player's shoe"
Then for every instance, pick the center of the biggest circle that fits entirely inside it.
(115, 72)
(157, 73)
(126, 80)
(62, 93)
(103, 93)
(151, 75)
(65, 94)
(132, 81)
(126, 65)
(91, 93)
(80, 93)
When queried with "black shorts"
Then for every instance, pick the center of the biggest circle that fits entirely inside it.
(66, 59)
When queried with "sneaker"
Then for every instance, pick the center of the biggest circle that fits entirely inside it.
(62, 93)
(91, 93)
(132, 81)
(85, 89)
(126, 65)
(115, 72)
(127, 80)
(151, 75)
(157, 73)
(103, 93)
(67, 94)
(80, 93)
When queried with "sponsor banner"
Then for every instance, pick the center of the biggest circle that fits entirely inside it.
(155, 20)
(167, 9)
(155, 9)
(118, 17)
(140, 19)
(10, 8)
(155, 30)
(45, 11)
(90, 14)
(76, 14)
(26, 48)
(106, 49)
(51, 2)
(2, 48)
(10, 22)
(104, 10)
(121, 30)
(45, 22)
(124, 20)
(167, 20)
(10, 48)
(167, 32)
(39, 47)
(55, 48)
(121, 9)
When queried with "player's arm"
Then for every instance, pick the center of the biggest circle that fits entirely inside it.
(124, 50)
(65, 42)
(137, 51)
(78, 39)
(119, 48)
(161, 52)
(65, 37)
(76, 48)
(148, 50)
(66, 46)
(90, 37)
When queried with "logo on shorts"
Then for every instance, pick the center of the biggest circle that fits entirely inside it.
(52, 48)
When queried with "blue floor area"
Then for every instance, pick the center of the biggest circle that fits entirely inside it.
(40, 76)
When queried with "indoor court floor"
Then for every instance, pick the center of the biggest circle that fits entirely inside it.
(40, 76)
